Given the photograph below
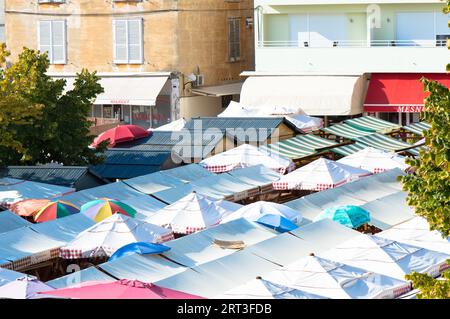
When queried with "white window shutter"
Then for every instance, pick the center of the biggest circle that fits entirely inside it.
(59, 42)
(135, 41)
(120, 32)
(45, 38)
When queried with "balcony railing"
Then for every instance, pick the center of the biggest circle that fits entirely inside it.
(353, 43)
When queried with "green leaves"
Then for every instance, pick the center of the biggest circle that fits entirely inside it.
(39, 122)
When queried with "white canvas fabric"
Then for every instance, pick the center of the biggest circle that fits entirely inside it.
(246, 155)
(105, 237)
(416, 231)
(332, 279)
(264, 289)
(23, 288)
(388, 257)
(191, 213)
(319, 175)
(256, 210)
(294, 115)
(374, 160)
(312, 94)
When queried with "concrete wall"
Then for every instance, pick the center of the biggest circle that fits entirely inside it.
(184, 35)
(194, 106)
(2, 20)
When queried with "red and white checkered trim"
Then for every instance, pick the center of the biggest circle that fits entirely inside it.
(377, 170)
(70, 253)
(219, 168)
(397, 292)
(166, 237)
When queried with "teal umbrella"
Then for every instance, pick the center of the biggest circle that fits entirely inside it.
(347, 215)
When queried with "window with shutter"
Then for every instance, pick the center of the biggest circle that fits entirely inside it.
(128, 41)
(52, 39)
(234, 39)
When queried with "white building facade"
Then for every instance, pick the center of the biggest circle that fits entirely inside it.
(384, 46)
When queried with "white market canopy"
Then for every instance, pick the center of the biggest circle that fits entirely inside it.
(246, 155)
(388, 257)
(256, 210)
(313, 94)
(105, 237)
(14, 190)
(294, 115)
(263, 289)
(124, 88)
(190, 214)
(416, 231)
(330, 279)
(374, 160)
(319, 175)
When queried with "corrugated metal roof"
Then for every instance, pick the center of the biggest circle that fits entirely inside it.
(55, 175)
(166, 138)
(224, 123)
(126, 163)
(118, 171)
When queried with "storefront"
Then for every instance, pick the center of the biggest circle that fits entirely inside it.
(399, 97)
(144, 99)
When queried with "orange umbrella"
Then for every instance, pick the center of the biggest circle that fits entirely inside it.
(28, 207)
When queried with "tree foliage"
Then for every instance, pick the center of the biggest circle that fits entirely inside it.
(429, 187)
(50, 125)
(429, 287)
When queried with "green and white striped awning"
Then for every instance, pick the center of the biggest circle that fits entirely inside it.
(347, 131)
(382, 142)
(299, 146)
(349, 149)
(417, 128)
(372, 123)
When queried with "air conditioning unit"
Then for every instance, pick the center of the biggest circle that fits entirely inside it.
(200, 80)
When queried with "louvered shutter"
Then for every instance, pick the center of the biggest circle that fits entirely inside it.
(135, 41)
(237, 39)
(58, 42)
(120, 41)
(230, 40)
(45, 38)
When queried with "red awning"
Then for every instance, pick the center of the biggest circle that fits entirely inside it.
(399, 92)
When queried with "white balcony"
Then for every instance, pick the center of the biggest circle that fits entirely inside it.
(351, 57)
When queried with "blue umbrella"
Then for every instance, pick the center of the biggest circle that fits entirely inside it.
(139, 248)
(279, 223)
(347, 215)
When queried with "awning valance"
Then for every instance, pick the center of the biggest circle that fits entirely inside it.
(313, 94)
(219, 90)
(399, 92)
(124, 88)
